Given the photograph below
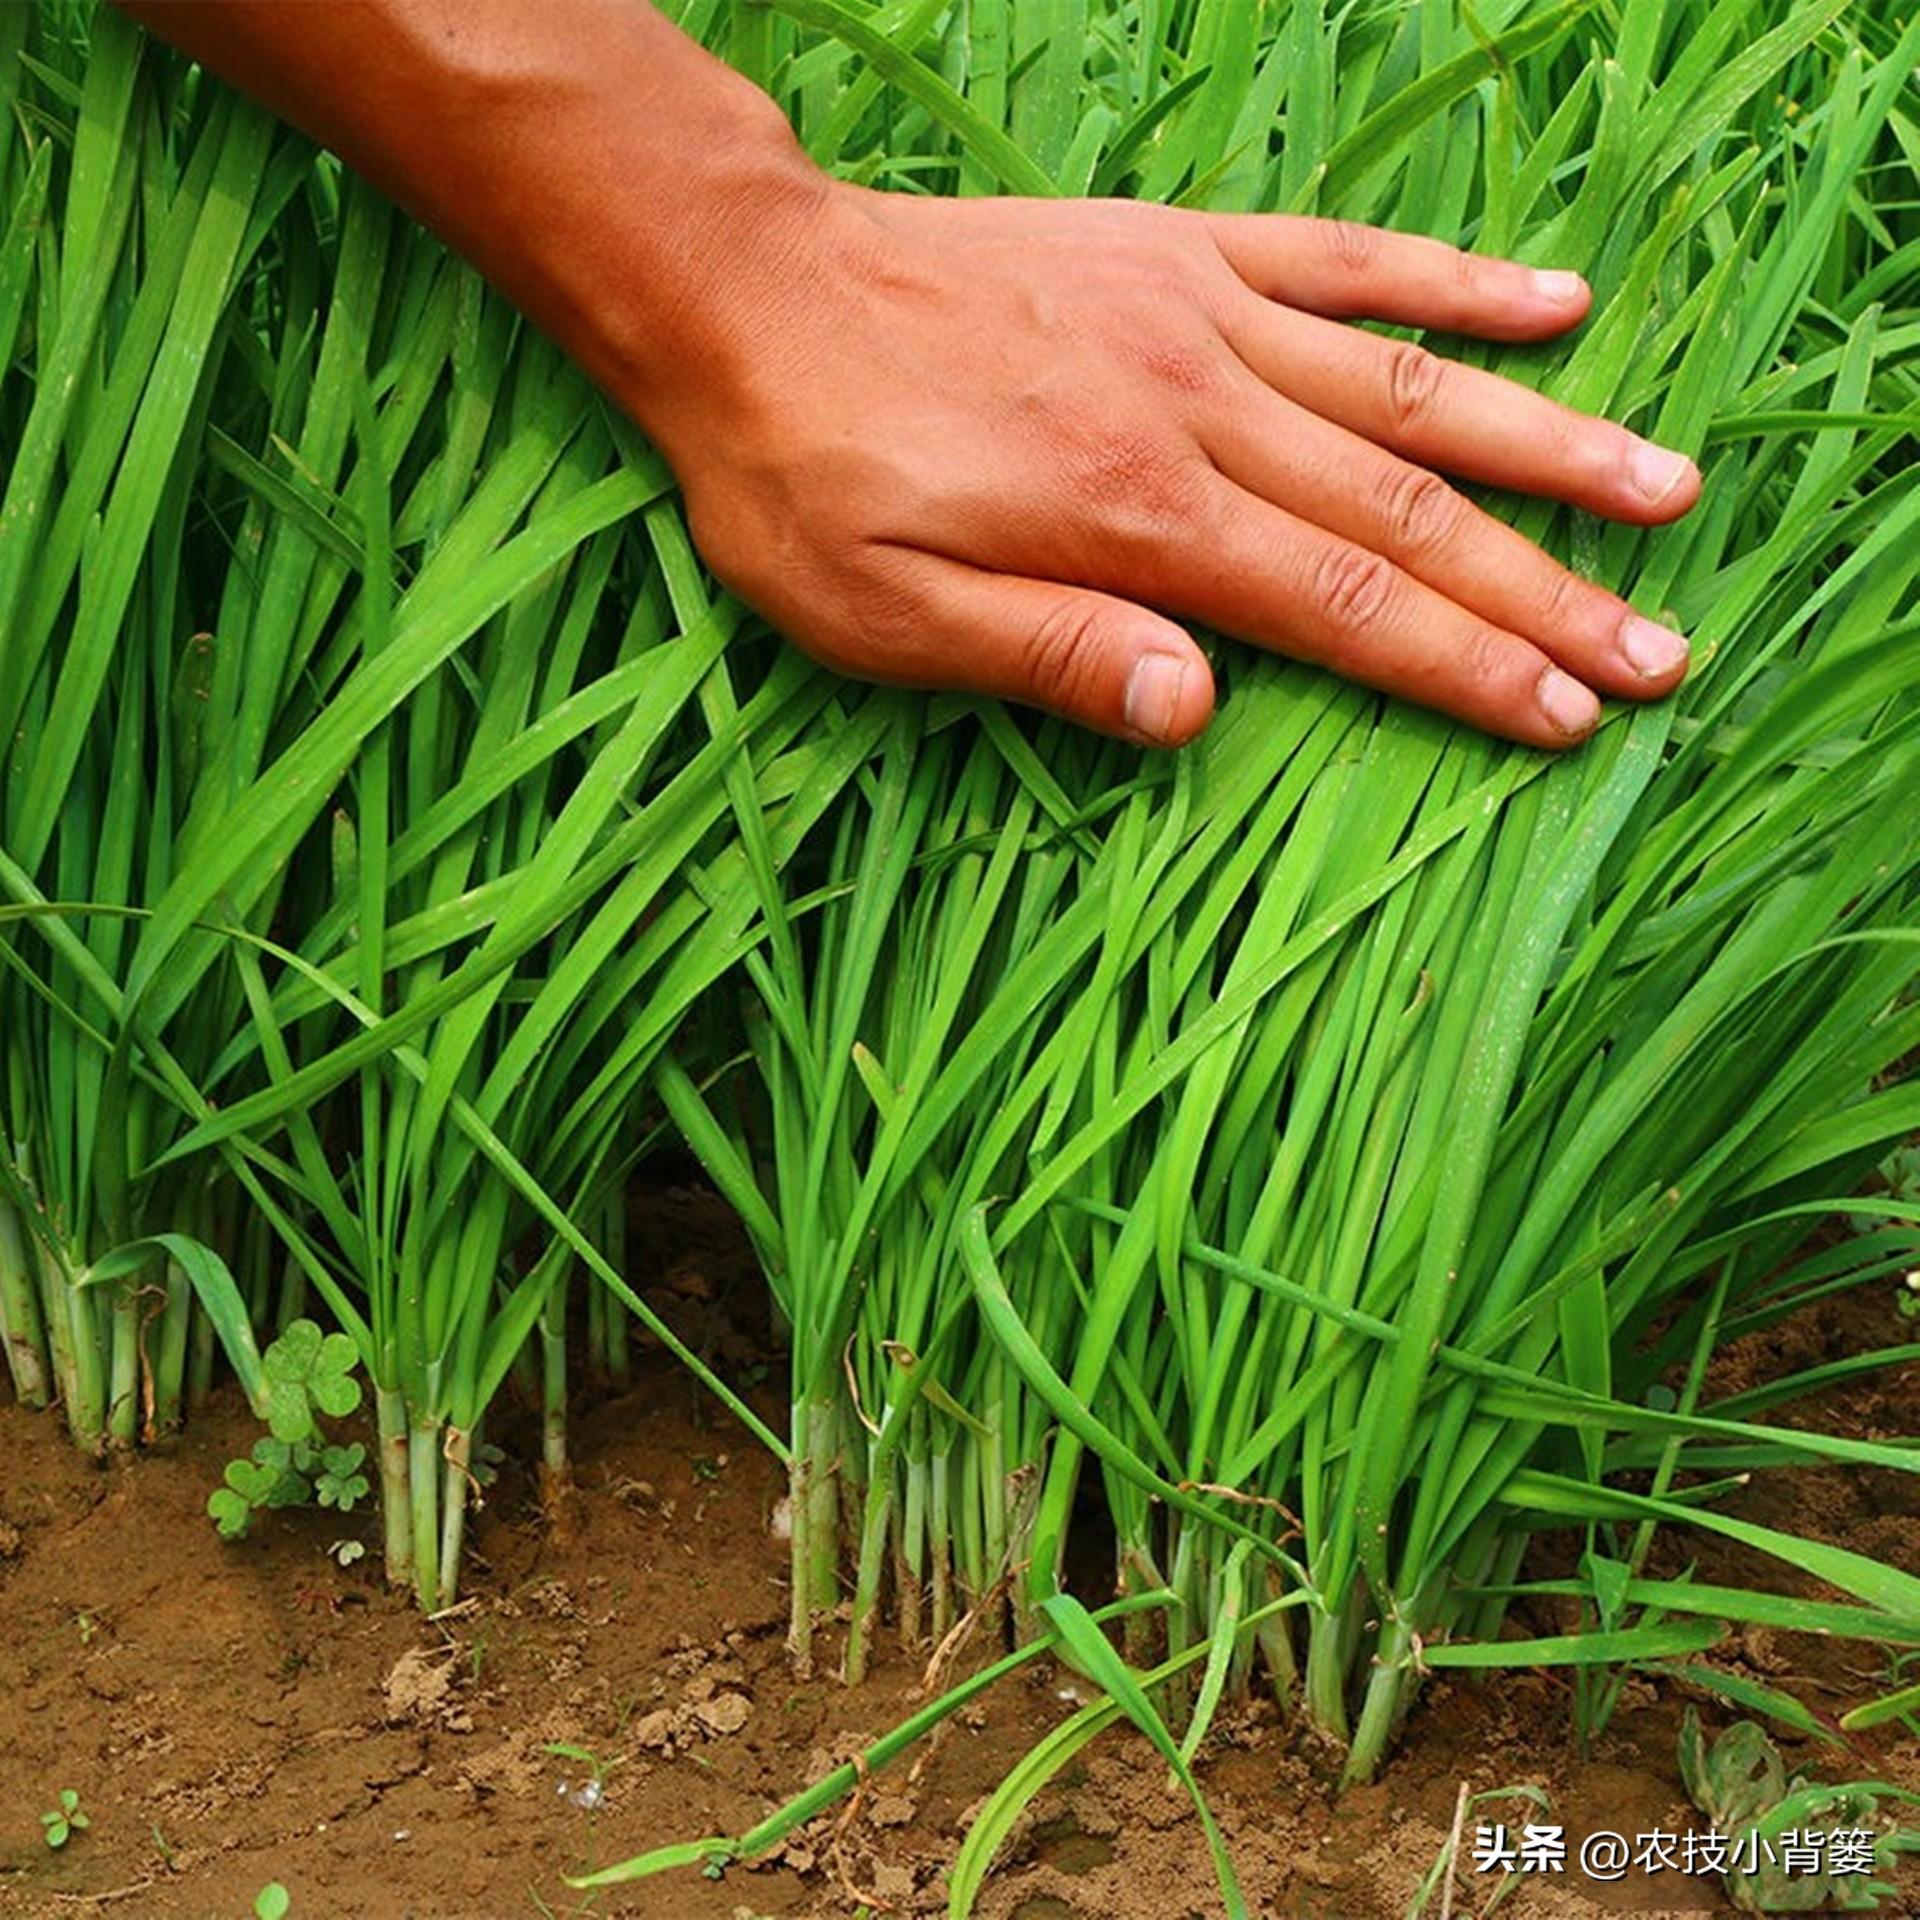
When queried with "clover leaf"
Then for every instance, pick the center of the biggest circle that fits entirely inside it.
(274, 1477)
(307, 1373)
(231, 1512)
(308, 1370)
(340, 1483)
(332, 1386)
(253, 1480)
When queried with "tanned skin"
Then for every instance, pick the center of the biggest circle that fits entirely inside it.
(1004, 445)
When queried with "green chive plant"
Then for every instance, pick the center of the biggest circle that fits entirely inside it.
(138, 200)
(1340, 1148)
(459, 974)
(408, 833)
(1384, 1127)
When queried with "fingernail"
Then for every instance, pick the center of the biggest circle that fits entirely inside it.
(1656, 471)
(1153, 695)
(1559, 286)
(1572, 708)
(1651, 649)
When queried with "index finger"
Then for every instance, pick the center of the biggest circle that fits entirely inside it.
(1345, 271)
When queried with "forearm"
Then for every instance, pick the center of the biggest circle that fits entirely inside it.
(623, 187)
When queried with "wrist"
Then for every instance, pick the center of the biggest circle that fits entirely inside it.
(672, 309)
(632, 193)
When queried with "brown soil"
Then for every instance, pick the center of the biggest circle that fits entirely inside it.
(233, 1715)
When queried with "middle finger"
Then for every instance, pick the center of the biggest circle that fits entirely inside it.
(1460, 419)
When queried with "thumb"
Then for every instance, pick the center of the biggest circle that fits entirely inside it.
(1086, 656)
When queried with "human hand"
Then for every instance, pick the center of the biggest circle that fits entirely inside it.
(994, 444)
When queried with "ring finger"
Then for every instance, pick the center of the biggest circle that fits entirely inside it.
(1265, 575)
(1347, 485)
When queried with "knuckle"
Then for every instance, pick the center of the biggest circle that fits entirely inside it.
(1354, 587)
(1164, 276)
(1186, 371)
(1596, 447)
(1414, 378)
(1064, 652)
(1579, 445)
(1485, 660)
(866, 611)
(1422, 511)
(1353, 247)
(1138, 481)
(1567, 603)
(1120, 458)
(881, 584)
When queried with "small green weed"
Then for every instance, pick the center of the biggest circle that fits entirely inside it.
(1444, 1869)
(1901, 1171)
(308, 1374)
(1901, 1702)
(593, 1790)
(1741, 1783)
(64, 1821)
(272, 1902)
